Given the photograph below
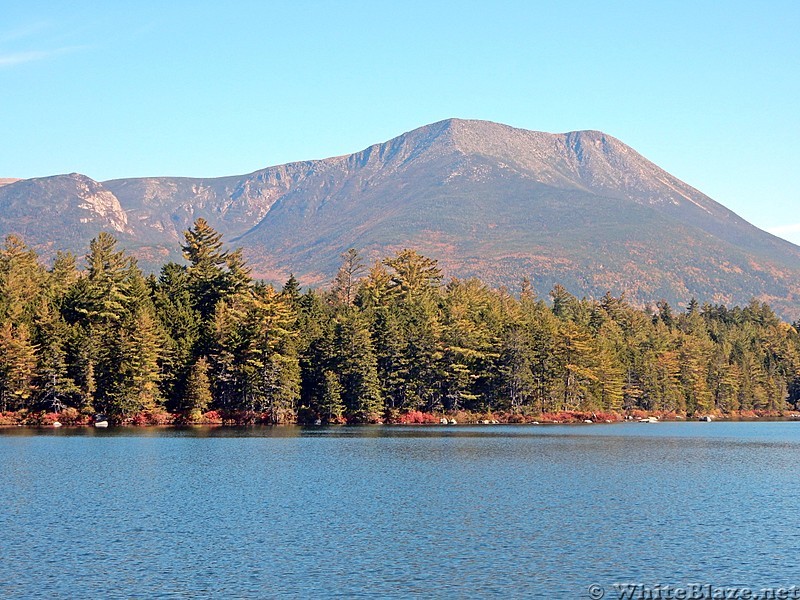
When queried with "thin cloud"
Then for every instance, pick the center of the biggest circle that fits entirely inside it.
(20, 58)
(23, 31)
(12, 59)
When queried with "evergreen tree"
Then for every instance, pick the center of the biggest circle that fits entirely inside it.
(17, 367)
(563, 302)
(62, 275)
(81, 359)
(542, 326)
(414, 277)
(197, 397)
(331, 407)
(470, 344)
(573, 351)
(345, 285)
(516, 370)
(56, 388)
(315, 351)
(181, 324)
(21, 281)
(105, 297)
(391, 353)
(291, 291)
(207, 274)
(608, 382)
(139, 366)
(358, 371)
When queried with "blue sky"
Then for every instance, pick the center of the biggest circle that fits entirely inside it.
(708, 90)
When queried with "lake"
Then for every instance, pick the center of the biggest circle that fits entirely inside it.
(397, 511)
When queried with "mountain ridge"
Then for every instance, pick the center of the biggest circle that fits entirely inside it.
(485, 199)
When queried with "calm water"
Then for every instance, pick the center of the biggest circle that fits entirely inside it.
(513, 511)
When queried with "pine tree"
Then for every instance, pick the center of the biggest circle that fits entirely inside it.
(694, 355)
(469, 344)
(17, 367)
(542, 326)
(331, 407)
(197, 397)
(256, 366)
(345, 285)
(415, 276)
(279, 385)
(573, 351)
(563, 302)
(81, 359)
(62, 275)
(237, 278)
(21, 281)
(315, 350)
(374, 289)
(208, 276)
(665, 313)
(226, 352)
(391, 355)
(106, 294)
(273, 371)
(608, 380)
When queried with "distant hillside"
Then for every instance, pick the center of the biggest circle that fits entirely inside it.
(486, 200)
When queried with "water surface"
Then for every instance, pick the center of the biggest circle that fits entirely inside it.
(513, 511)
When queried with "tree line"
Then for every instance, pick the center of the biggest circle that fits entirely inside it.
(381, 340)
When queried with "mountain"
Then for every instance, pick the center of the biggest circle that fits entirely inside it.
(486, 200)
(59, 212)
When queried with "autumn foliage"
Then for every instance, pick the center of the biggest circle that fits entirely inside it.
(203, 342)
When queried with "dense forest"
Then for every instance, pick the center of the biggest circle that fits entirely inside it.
(203, 341)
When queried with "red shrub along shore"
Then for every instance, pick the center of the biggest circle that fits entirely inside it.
(24, 418)
(416, 417)
(71, 417)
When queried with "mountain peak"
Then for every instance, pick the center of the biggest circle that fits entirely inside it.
(58, 196)
(489, 200)
(583, 160)
(472, 134)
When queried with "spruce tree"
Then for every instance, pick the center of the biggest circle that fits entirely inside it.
(515, 369)
(57, 388)
(331, 407)
(139, 364)
(358, 371)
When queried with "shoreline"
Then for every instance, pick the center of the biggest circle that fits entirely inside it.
(23, 419)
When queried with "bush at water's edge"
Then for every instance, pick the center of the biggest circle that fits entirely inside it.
(72, 418)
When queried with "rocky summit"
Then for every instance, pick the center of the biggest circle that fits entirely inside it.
(486, 200)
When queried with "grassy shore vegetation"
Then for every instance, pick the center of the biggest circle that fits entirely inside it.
(204, 342)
